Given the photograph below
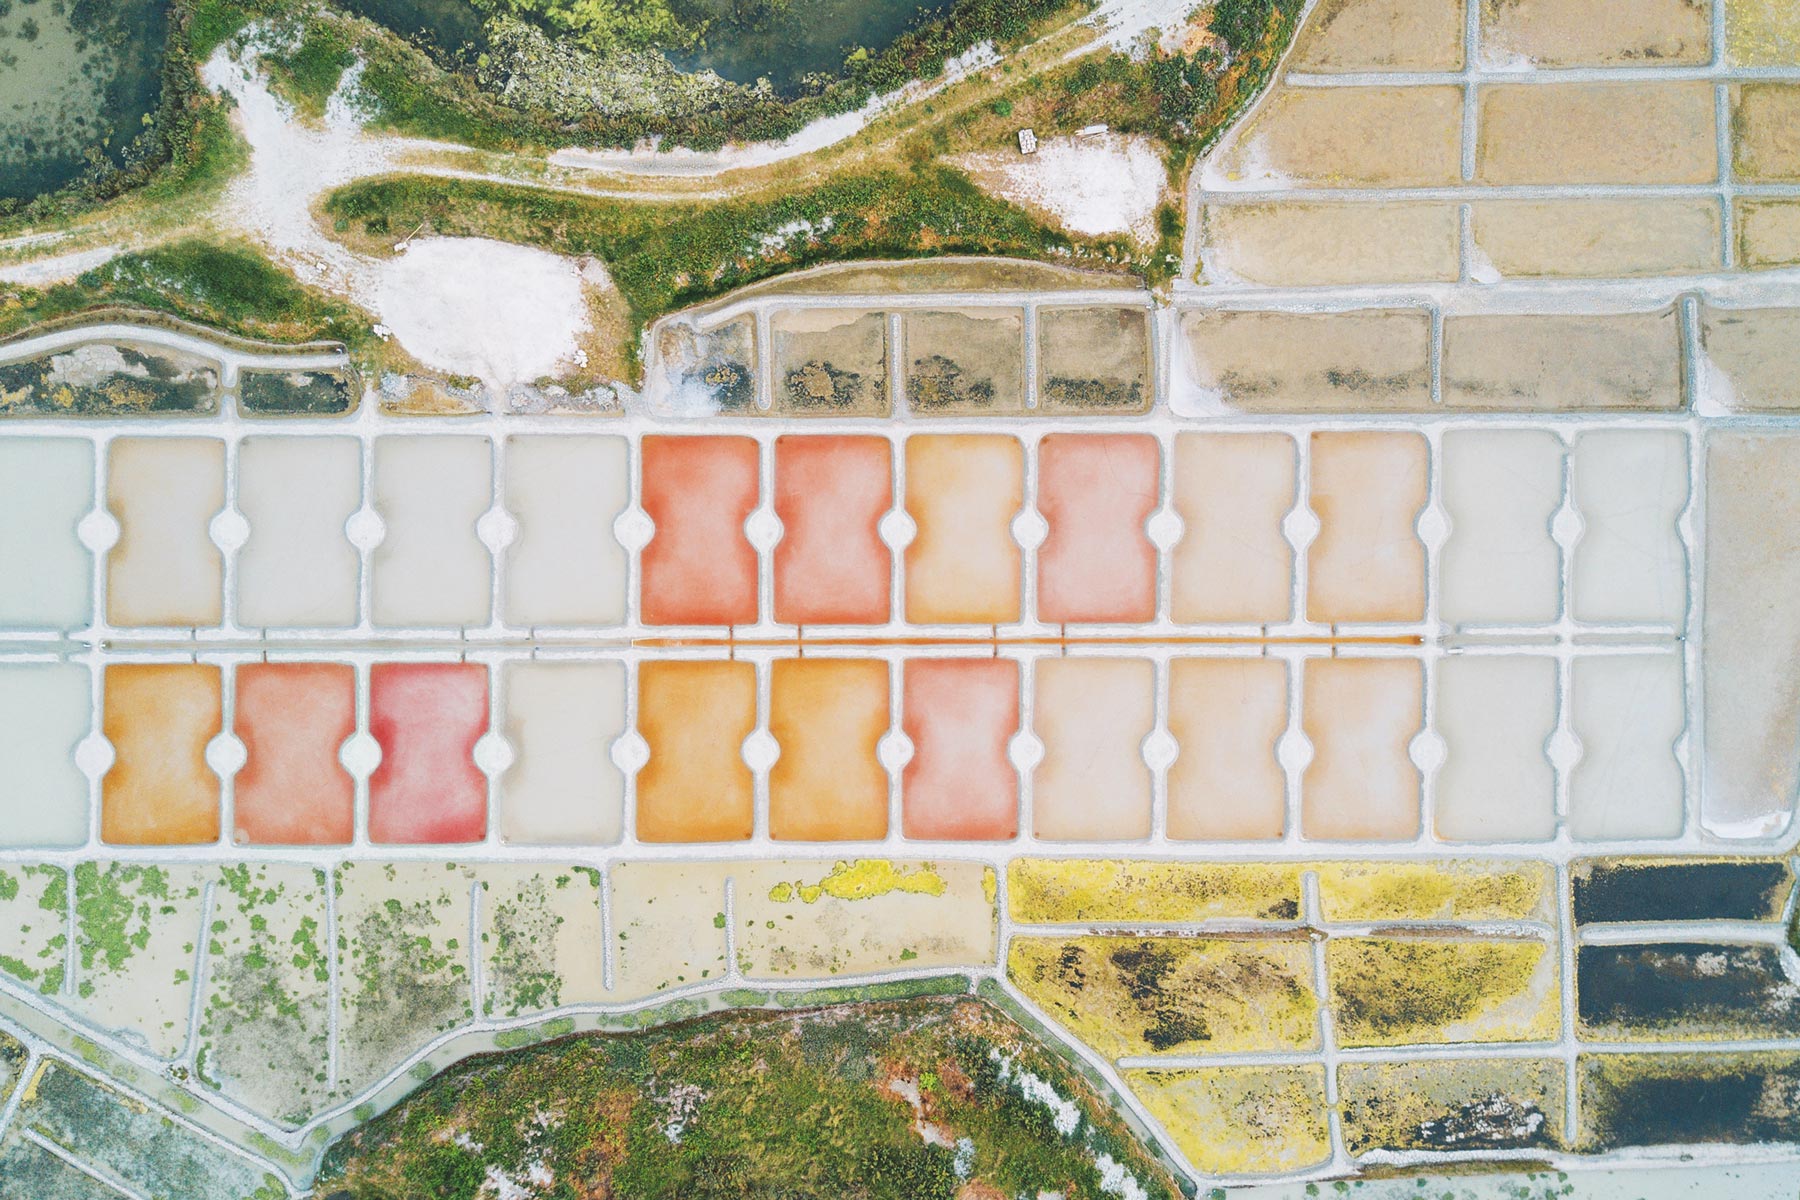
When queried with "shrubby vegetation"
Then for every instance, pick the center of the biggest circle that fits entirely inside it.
(760, 1105)
(227, 286)
(603, 24)
(664, 256)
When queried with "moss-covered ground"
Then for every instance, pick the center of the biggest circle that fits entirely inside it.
(225, 284)
(921, 1099)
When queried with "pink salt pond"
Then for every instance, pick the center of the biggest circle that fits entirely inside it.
(293, 718)
(427, 718)
(1095, 492)
(960, 713)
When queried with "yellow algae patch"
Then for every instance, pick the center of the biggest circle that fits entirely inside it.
(1768, 233)
(871, 916)
(1453, 890)
(1124, 996)
(1402, 991)
(1467, 1104)
(1762, 33)
(1766, 144)
(864, 879)
(29, 1095)
(1058, 890)
(1240, 1120)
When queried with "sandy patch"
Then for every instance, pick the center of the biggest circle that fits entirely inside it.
(1091, 186)
(502, 313)
(60, 268)
(291, 164)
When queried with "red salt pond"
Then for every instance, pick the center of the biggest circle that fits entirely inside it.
(427, 718)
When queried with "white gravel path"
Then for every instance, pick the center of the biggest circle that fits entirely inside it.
(505, 314)
(1093, 186)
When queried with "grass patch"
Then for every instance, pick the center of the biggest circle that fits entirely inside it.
(309, 74)
(413, 95)
(212, 23)
(666, 256)
(225, 285)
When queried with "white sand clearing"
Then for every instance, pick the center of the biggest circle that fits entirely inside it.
(468, 306)
(503, 313)
(1092, 186)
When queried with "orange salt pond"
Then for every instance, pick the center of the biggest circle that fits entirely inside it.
(696, 786)
(159, 718)
(831, 566)
(960, 713)
(293, 718)
(699, 568)
(962, 491)
(1095, 491)
(427, 718)
(828, 714)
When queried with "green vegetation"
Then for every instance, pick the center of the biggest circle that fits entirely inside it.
(553, 73)
(312, 70)
(531, 87)
(666, 256)
(604, 24)
(1242, 23)
(815, 1103)
(227, 286)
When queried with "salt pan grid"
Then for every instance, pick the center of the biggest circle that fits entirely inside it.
(1299, 649)
(1455, 297)
(1395, 647)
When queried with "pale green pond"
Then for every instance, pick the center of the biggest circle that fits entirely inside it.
(78, 80)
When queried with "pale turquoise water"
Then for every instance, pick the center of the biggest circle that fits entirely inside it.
(77, 80)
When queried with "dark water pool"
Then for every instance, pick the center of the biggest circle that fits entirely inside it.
(78, 78)
(451, 26)
(793, 38)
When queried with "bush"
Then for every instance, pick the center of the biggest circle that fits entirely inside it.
(1241, 22)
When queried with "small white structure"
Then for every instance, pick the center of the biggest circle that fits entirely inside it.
(1027, 142)
(1090, 131)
